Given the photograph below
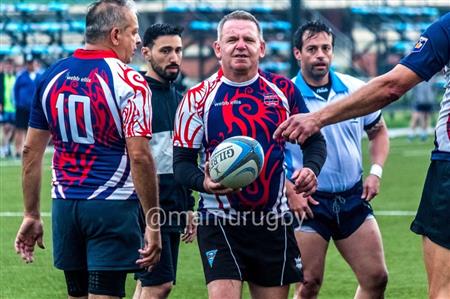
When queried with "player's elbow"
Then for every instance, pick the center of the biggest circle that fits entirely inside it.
(140, 157)
(394, 92)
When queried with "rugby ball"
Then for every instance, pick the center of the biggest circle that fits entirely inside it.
(236, 162)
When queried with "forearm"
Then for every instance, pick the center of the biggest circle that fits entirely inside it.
(314, 152)
(379, 145)
(33, 153)
(31, 182)
(143, 171)
(145, 182)
(185, 168)
(373, 96)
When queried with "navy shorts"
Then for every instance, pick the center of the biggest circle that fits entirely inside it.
(339, 214)
(22, 118)
(96, 235)
(8, 118)
(264, 254)
(433, 216)
(166, 269)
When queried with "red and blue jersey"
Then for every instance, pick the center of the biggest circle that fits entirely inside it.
(430, 55)
(91, 102)
(217, 109)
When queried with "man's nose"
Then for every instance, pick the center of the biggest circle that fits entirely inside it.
(241, 43)
(138, 40)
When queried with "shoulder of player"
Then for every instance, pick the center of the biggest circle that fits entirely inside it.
(352, 83)
(202, 89)
(275, 78)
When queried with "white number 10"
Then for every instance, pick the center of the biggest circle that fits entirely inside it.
(72, 101)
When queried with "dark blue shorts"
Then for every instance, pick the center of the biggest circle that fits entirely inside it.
(433, 216)
(22, 118)
(339, 214)
(8, 118)
(166, 270)
(96, 235)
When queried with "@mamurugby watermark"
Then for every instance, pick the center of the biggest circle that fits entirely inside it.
(157, 217)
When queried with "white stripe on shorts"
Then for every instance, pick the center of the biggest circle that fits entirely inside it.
(284, 255)
(231, 251)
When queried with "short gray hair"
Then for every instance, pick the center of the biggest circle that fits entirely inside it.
(103, 15)
(238, 15)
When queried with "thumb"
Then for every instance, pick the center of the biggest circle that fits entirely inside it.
(313, 201)
(365, 191)
(40, 242)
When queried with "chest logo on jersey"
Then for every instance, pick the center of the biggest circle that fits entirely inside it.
(420, 44)
(226, 103)
(271, 99)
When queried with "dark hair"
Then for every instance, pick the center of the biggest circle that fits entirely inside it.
(312, 27)
(103, 15)
(238, 15)
(157, 30)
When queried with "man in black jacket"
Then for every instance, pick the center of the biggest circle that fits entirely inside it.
(162, 49)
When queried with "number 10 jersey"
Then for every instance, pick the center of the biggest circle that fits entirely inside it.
(91, 102)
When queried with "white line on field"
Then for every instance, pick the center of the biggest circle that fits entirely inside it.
(377, 213)
(20, 214)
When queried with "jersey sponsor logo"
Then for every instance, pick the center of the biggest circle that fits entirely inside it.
(271, 99)
(210, 255)
(321, 90)
(226, 103)
(420, 44)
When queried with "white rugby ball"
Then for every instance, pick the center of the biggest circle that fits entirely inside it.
(236, 162)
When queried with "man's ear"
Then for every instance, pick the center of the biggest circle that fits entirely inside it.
(297, 53)
(262, 47)
(217, 50)
(115, 36)
(145, 51)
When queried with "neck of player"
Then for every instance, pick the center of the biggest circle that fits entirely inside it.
(316, 80)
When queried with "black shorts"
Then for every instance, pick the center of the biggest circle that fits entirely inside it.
(261, 253)
(166, 269)
(22, 118)
(424, 107)
(433, 216)
(338, 215)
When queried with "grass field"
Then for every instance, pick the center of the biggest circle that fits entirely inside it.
(400, 191)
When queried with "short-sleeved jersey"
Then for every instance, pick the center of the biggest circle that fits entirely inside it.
(217, 109)
(343, 167)
(91, 102)
(429, 55)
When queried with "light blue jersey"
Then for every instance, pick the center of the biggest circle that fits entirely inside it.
(343, 167)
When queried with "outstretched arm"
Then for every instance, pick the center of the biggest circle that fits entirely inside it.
(376, 94)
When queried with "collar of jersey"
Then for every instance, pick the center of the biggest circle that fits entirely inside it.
(239, 84)
(94, 54)
(336, 84)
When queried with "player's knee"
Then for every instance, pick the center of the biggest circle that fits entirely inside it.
(310, 287)
(377, 279)
(161, 291)
(164, 290)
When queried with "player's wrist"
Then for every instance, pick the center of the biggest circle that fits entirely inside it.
(32, 214)
(376, 170)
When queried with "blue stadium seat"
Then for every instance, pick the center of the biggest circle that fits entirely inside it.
(57, 7)
(203, 25)
(278, 45)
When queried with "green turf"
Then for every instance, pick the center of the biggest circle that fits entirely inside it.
(400, 191)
